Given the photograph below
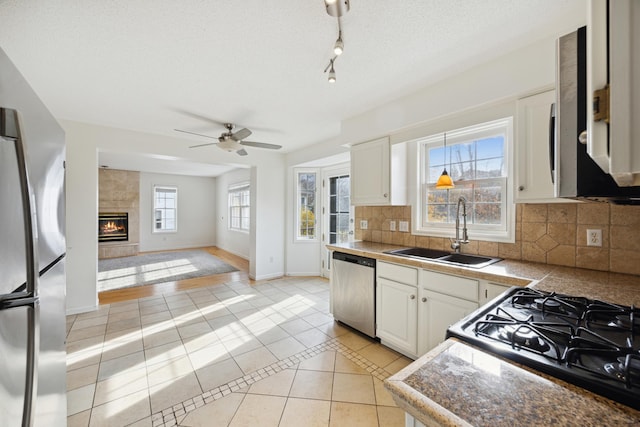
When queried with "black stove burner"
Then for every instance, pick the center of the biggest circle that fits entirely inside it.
(593, 344)
(524, 336)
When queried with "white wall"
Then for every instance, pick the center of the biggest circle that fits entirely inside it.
(236, 242)
(196, 212)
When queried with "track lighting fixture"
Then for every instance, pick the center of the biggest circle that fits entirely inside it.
(338, 48)
(332, 72)
(337, 8)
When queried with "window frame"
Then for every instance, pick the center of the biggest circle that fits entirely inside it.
(234, 189)
(155, 210)
(298, 204)
(505, 231)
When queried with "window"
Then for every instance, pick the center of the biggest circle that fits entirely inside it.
(477, 160)
(339, 209)
(165, 209)
(306, 212)
(239, 207)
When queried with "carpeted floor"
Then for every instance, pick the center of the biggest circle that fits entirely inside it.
(116, 273)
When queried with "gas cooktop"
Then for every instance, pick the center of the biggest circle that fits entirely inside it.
(589, 343)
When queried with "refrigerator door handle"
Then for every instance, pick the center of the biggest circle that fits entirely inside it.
(10, 128)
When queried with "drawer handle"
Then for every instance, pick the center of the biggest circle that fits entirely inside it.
(412, 297)
(424, 299)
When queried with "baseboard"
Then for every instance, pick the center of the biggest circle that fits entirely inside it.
(267, 276)
(233, 253)
(308, 274)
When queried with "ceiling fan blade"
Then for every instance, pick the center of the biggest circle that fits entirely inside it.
(242, 152)
(198, 134)
(261, 145)
(199, 117)
(241, 134)
(203, 145)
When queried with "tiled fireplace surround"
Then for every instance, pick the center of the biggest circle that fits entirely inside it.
(547, 233)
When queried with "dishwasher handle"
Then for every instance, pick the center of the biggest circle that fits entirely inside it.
(354, 259)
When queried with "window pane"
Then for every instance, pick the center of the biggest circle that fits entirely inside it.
(306, 209)
(487, 213)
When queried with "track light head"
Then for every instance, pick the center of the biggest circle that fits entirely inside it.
(332, 74)
(338, 48)
(337, 8)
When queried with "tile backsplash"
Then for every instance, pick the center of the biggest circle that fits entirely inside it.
(554, 233)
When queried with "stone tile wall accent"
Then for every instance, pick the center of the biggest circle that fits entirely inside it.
(119, 191)
(546, 233)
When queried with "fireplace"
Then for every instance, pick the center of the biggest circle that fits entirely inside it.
(113, 227)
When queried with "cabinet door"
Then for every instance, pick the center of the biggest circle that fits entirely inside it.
(396, 315)
(370, 173)
(533, 171)
(489, 291)
(436, 313)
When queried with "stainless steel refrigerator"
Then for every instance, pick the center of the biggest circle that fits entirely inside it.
(32, 251)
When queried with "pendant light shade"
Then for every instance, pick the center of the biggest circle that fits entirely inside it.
(445, 182)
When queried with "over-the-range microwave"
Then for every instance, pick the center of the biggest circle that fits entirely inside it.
(574, 173)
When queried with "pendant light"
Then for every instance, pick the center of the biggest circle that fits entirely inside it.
(445, 182)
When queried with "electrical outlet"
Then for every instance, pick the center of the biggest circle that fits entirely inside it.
(594, 237)
(364, 224)
(392, 225)
(404, 226)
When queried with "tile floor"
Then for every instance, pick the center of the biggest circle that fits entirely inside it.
(266, 354)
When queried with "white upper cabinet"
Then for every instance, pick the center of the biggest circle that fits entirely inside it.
(532, 148)
(613, 63)
(378, 173)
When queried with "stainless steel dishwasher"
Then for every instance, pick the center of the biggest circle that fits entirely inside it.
(354, 292)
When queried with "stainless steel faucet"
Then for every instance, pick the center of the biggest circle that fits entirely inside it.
(455, 244)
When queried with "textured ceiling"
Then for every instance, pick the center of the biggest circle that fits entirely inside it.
(154, 65)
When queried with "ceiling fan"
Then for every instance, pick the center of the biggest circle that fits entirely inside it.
(233, 141)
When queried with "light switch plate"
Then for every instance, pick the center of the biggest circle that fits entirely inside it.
(364, 224)
(404, 225)
(392, 225)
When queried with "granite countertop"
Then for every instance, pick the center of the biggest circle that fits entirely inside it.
(456, 384)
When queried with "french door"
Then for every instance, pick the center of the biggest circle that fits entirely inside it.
(337, 212)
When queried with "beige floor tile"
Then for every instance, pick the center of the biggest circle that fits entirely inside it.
(219, 373)
(157, 338)
(120, 385)
(325, 361)
(119, 348)
(257, 410)
(317, 318)
(123, 324)
(174, 391)
(166, 371)
(201, 341)
(333, 329)
(354, 341)
(286, 347)
(398, 365)
(312, 385)
(390, 417)
(194, 329)
(276, 385)
(306, 412)
(80, 419)
(81, 359)
(84, 333)
(353, 415)
(379, 354)
(383, 397)
(312, 337)
(164, 353)
(221, 410)
(353, 388)
(347, 366)
(208, 355)
(123, 315)
(271, 335)
(145, 422)
(295, 326)
(255, 359)
(122, 412)
(82, 376)
(151, 318)
(242, 344)
(121, 365)
(92, 321)
(80, 399)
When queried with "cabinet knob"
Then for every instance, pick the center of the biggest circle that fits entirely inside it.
(412, 297)
(424, 299)
(521, 188)
(386, 195)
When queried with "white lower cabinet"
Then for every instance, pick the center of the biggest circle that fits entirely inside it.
(436, 313)
(396, 315)
(489, 291)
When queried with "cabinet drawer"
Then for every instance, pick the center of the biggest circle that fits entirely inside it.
(397, 273)
(460, 287)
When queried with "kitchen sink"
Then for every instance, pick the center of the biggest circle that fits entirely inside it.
(466, 260)
(419, 253)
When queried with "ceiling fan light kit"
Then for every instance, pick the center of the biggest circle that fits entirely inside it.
(233, 141)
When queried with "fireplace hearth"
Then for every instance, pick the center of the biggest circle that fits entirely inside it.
(113, 227)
